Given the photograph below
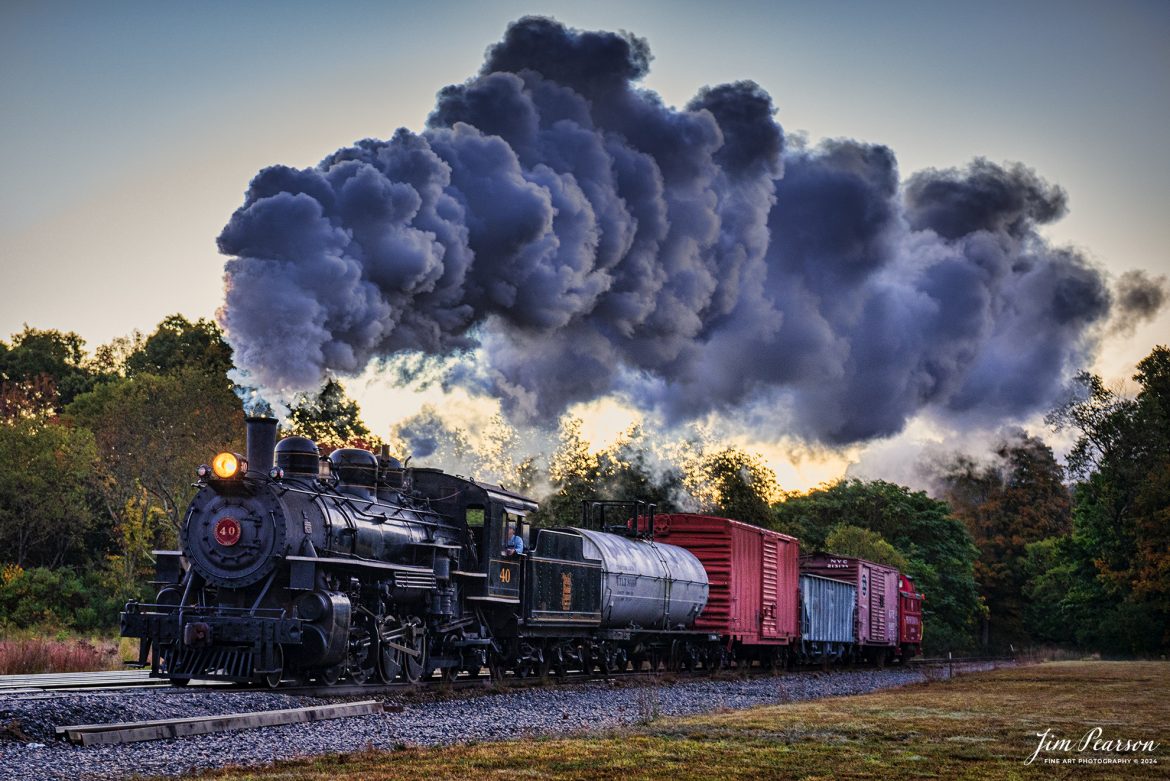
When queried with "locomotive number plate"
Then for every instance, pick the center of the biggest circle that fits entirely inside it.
(227, 531)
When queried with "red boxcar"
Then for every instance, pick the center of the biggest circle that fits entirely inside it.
(877, 595)
(754, 580)
(910, 617)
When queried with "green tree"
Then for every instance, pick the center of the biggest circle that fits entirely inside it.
(621, 470)
(1121, 509)
(178, 345)
(865, 544)
(938, 548)
(330, 418)
(45, 485)
(574, 473)
(731, 483)
(60, 357)
(151, 431)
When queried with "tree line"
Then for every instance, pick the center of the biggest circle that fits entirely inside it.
(1011, 548)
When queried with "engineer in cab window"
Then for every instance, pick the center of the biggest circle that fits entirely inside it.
(514, 544)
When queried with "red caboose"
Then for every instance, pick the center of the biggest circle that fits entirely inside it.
(754, 582)
(909, 617)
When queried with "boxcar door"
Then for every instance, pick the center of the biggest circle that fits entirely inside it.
(878, 620)
(770, 588)
(864, 575)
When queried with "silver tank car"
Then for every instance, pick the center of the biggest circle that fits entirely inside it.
(646, 584)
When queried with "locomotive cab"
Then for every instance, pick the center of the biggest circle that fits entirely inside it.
(484, 511)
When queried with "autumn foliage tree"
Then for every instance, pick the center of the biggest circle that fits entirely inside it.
(1015, 499)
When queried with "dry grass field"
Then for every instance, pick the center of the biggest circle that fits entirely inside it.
(32, 655)
(981, 726)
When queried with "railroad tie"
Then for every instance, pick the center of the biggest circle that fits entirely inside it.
(162, 729)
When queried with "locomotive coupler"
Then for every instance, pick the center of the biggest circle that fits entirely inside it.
(197, 634)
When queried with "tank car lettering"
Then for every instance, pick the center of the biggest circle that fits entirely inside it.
(627, 580)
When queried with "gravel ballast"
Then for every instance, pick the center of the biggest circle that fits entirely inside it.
(30, 749)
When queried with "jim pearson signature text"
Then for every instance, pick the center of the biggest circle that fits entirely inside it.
(1092, 741)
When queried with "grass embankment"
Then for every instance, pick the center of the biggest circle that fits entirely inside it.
(980, 726)
(29, 655)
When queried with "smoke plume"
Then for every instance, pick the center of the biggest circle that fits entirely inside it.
(565, 235)
(1139, 298)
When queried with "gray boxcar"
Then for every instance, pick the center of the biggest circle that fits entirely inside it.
(828, 618)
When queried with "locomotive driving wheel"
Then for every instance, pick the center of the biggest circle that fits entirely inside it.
(389, 662)
(415, 658)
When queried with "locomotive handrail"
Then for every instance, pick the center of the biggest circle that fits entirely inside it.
(167, 608)
(343, 561)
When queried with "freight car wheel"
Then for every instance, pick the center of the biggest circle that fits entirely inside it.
(713, 660)
(496, 668)
(559, 666)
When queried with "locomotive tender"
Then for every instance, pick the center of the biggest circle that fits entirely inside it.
(375, 571)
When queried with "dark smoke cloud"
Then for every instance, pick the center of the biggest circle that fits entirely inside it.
(1139, 298)
(571, 236)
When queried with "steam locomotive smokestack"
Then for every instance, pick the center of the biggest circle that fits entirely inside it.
(261, 443)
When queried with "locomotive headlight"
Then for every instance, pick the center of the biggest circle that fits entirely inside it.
(228, 465)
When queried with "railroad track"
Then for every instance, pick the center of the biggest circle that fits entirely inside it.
(131, 679)
(112, 679)
(126, 679)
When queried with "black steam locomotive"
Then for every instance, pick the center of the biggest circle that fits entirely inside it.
(294, 567)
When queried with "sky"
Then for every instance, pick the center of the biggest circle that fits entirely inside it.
(129, 131)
